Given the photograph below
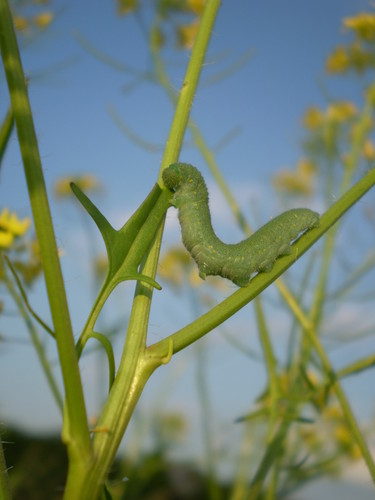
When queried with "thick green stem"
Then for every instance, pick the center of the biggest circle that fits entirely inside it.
(77, 438)
(133, 373)
(136, 364)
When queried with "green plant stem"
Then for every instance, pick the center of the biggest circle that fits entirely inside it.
(242, 467)
(271, 365)
(26, 300)
(345, 406)
(189, 86)
(206, 418)
(356, 367)
(201, 144)
(36, 342)
(134, 371)
(136, 365)
(5, 132)
(207, 322)
(221, 182)
(360, 133)
(273, 452)
(5, 493)
(77, 432)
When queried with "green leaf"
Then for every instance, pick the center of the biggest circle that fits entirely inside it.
(127, 246)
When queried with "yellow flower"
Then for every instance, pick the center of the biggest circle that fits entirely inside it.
(6, 239)
(84, 182)
(101, 265)
(20, 23)
(352, 57)
(177, 267)
(174, 265)
(10, 227)
(341, 111)
(338, 61)
(313, 118)
(196, 6)
(43, 20)
(368, 150)
(332, 412)
(9, 222)
(186, 34)
(370, 94)
(299, 181)
(125, 7)
(363, 24)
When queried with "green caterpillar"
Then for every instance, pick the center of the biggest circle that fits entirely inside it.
(236, 262)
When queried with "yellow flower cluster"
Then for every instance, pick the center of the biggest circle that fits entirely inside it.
(84, 182)
(196, 6)
(299, 181)
(353, 56)
(11, 227)
(363, 24)
(41, 21)
(176, 266)
(186, 34)
(356, 55)
(368, 150)
(338, 112)
(341, 432)
(125, 7)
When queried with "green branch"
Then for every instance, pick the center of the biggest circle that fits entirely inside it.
(235, 302)
(38, 345)
(136, 364)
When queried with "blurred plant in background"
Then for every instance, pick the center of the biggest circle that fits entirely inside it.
(300, 427)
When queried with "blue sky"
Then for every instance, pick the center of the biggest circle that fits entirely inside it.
(71, 92)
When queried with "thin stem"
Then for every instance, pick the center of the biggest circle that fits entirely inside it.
(221, 182)
(206, 418)
(189, 85)
(356, 367)
(26, 300)
(270, 364)
(36, 342)
(5, 132)
(345, 406)
(273, 452)
(201, 145)
(359, 136)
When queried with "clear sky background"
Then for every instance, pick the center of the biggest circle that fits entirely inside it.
(71, 93)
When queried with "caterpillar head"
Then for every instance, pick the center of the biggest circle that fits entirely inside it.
(178, 174)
